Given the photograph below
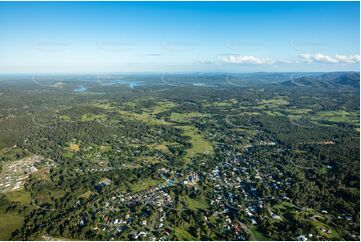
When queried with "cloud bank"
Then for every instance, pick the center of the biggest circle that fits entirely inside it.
(306, 58)
(325, 59)
(247, 59)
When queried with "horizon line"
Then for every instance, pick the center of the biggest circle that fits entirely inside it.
(171, 72)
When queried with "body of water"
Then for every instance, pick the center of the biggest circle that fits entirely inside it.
(80, 89)
(131, 84)
(198, 84)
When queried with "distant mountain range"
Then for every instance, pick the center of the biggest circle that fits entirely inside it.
(332, 79)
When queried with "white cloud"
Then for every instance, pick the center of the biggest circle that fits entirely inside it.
(306, 57)
(284, 61)
(348, 59)
(239, 59)
(320, 58)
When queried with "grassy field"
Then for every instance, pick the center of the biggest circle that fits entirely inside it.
(185, 117)
(161, 147)
(67, 154)
(248, 131)
(222, 104)
(144, 117)
(46, 195)
(329, 236)
(256, 235)
(91, 117)
(86, 194)
(196, 203)
(182, 233)
(163, 106)
(337, 116)
(275, 101)
(272, 103)
(105, 148)
(298, 111)
(274, 113)
(103, 105)
(144, 184)
(200, 145)
(147, 160)
(65, 118)
(19, 196)
(9, 223)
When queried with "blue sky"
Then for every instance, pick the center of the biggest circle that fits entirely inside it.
(178, 36)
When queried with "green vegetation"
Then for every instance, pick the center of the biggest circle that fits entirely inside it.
(65, 118)
(183, 234)
(162, 107)
(19, 196)
(196, 203)
(91, 117)
(256, 235)
(337, 116)
(144, 185)
(173, 161)
(9, 222)
(86, 194)
(185, 117)
(199, 144)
